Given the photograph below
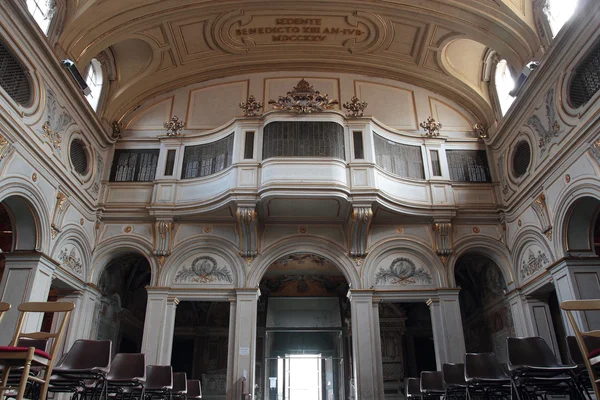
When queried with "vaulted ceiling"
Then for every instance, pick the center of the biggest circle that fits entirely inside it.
(160, 45)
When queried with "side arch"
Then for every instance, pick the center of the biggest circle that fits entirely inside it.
(198, 244)
(415, 249)
(494, 250)
(34, 211)
(304, 244)
(119, 245)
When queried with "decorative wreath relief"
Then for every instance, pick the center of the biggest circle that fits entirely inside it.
(204, 269)
(403, 271)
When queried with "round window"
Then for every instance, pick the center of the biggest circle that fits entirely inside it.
(79, 156)
(521, 158)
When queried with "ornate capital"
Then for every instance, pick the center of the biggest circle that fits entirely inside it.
(443, 239)
(360, 221)
(251, 107)
(174, 127)
(303, 99)
(480, 130)
(355, 107)
(431, 127)
(247, 218)
(163, 238)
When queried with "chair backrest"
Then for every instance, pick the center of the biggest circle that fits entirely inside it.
(194, 389)
(530, 351)
(59, 307)
(159, 376)
(454, 374)
(483, 366)
(180, 382)
(128, 366)
(570, 307)
(432, 381)
(87, 354)
(413, 387)
(39, 344)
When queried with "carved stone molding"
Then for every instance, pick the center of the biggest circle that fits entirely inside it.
(443, 239)
(247, 219)
(541, 209)
(360, 221)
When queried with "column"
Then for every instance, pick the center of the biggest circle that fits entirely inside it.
(243, 337)
(446, 322)
(231, 348)
(159, 325)
(578, 280)
(27, 277)
(366, 346)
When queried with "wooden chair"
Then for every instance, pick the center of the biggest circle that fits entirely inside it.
(30, 357)
(591, 357)
(4, 307)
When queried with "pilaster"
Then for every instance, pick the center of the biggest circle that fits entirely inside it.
(244, 342)
(27, 277)
(366, 346)
(159, 325)
(446, 322)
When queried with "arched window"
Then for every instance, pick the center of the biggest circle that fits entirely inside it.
(504, 84)
(558, 13)
(42, 11)
(94, 81)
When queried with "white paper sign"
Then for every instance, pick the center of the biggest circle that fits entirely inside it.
(244, 351)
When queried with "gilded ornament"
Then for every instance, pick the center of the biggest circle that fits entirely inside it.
(34, 177)
(399, 230)
(303, 229)
(359, 261)
(519, 223)
(61, 199)
(81, 221)
(303, 99)
(52, 135)
(117, 127)
(431, 127)
(567, 178)
(174, 126)
(480, 130)
(5, 147)
(128, 229)
(207, 229)
(251, 107)
(476, 229)
(355, 107)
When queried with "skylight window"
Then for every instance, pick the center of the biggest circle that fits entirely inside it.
(94, 81)
(504, 84)
(559, 12)
(42, 11)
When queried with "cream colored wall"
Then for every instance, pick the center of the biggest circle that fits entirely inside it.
(212, 104)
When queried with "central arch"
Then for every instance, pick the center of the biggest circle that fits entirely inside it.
(326, 249)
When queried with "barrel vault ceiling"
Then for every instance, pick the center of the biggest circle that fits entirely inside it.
(160, 45)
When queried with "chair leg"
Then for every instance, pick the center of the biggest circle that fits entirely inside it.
(4, 380)
(24, 377)
(44, 387)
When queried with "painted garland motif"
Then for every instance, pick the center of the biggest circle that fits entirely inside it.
(204, 269)
(403, 271)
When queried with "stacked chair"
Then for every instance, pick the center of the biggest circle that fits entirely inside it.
(86, 371)
(486, 377)
(432, 385)
(454, 381)
(413, 388)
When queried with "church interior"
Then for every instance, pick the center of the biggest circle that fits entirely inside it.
(319, 201)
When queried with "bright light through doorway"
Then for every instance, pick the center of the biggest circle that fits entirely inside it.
(304, 377)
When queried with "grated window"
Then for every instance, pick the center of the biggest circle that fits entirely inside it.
(586, 79)
(521, 159)
(303, 139)
(468, 166)
(79, 157)
(207, 159)
(14, 79)
(134, 165)
(399, 159)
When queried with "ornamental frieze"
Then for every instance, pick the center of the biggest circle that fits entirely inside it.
(357, 32)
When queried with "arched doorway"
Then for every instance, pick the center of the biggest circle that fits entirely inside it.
(303, 330)
(487, 320)
(123, 304)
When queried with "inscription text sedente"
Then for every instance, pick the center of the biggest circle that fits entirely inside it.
(299, 30)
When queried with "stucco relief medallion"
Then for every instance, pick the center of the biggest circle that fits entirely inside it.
(358, 32)
(70, 258)
(534, 259)
(403, 271)
(204, 269)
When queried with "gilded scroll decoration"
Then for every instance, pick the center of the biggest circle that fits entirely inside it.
(355, 107)
(431, 127)
(53, 136)
(480, 130)
(174, 127)
(251, 107)
(541, 209)
(247, 219)
(5, 147)
(303, 99)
